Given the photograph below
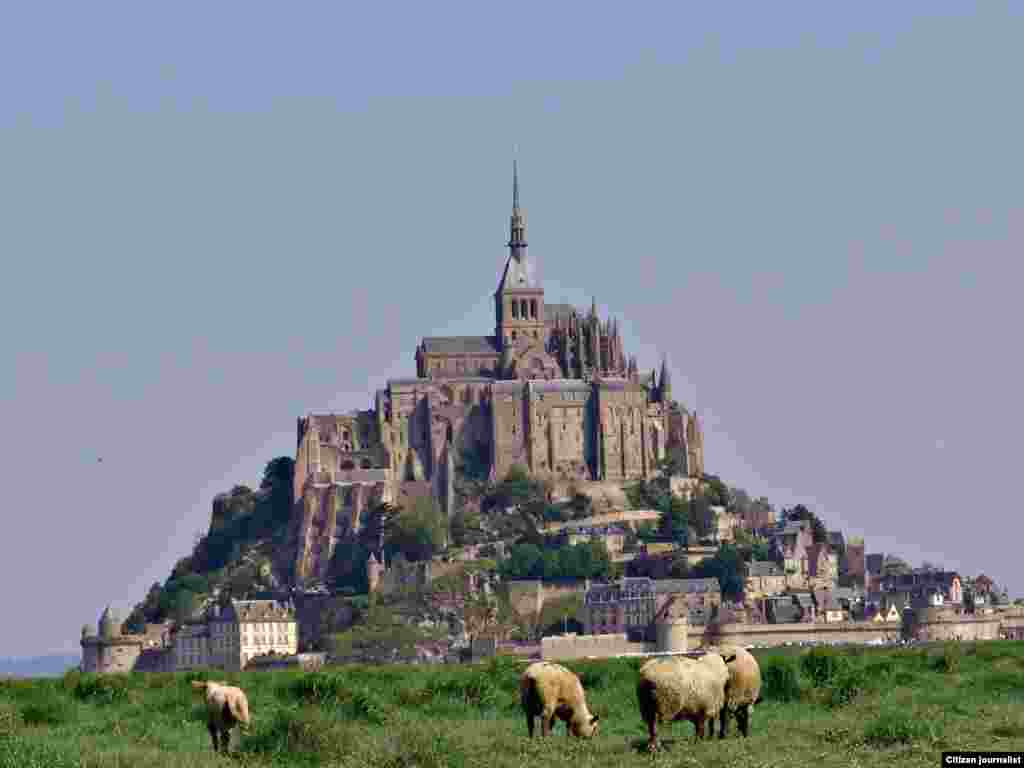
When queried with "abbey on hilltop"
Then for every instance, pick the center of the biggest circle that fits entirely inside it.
(552, 389)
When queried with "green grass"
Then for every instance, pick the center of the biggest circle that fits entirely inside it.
(854, 707)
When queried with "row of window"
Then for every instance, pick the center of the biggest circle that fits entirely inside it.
(520, 307)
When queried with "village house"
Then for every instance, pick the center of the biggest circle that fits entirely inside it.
(822, 569)
(630, 604)
(764, 578)
(919, 585)
(828, 607)
(613, 537)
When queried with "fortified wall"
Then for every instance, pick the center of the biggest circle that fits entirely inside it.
(528, 596)
(924, 628)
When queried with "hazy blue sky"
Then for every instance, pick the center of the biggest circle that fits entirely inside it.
(217, 217)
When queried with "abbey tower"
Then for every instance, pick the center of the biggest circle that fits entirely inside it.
(552, 390)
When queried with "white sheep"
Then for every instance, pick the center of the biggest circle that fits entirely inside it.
(679, 688)
(226, 707)
(550, 691)
(742, 690)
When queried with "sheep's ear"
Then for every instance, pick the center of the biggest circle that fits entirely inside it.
(728, 659)
(594, 719)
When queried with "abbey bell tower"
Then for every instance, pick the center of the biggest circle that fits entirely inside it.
(519, 300)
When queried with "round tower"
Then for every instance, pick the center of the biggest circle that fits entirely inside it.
(671, 628)
(110, 624)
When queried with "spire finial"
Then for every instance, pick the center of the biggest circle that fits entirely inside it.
(515, 181)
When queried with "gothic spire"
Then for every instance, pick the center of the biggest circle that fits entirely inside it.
(515, 184)
(665, 385)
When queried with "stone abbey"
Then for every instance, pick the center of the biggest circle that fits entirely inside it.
(551, 389)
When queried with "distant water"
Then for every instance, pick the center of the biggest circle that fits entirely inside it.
(53, 665)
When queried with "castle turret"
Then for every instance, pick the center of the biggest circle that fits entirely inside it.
(671, 627)
(665, 385)
(109, 624)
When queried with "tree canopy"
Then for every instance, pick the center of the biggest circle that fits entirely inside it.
(417, 532)
(585, 560)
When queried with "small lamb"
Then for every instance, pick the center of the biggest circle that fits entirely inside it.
(550, 691)
(226, 707)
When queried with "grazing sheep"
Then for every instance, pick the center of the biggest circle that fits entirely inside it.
(742, 691)
(679, 688)
(550, 691)
(226, 707)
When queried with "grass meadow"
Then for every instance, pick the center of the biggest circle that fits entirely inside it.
(826, 707)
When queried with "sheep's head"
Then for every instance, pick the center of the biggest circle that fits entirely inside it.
(584, 727)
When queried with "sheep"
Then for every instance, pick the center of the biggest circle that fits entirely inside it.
(682, 689)
(742, 691)
(226, 707)
(551, 690)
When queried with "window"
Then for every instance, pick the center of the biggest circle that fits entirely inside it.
(515, 309)
(533, 308)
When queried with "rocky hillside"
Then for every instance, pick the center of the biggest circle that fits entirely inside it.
(244, 552)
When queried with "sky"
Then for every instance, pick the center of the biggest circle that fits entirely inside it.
(219, 217)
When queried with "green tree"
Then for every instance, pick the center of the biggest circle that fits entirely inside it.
(646, 531)
(716, 492)
(726, 566)
(525, 561)
(348, 565)
(417, 532)
(818, 530)
(701, 516)
(675, 520)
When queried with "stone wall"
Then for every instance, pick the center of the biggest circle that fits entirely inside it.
(631, 517)
(109, 656)
(528, 596)
(939, 627)
(572, 646)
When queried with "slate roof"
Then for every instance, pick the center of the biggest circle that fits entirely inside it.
(874, 562)
(518, 274)
(261, 610)
(460, 345)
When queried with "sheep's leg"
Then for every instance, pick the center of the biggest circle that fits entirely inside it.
(711, 728)
(743, 720)
(529, 724)
(547, 722)
(652, 731)
(213, 735)
(698, 723)
(723, 723)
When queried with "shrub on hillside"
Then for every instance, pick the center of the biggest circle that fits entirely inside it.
(820, 665)
(780, 679)
(102, 689)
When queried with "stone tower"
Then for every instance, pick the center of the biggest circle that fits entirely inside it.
(694, 446)
(671, 627)
(665, 385)
(110, 624)
(519, 300)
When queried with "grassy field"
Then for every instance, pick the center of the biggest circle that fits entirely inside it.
(827, 708)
